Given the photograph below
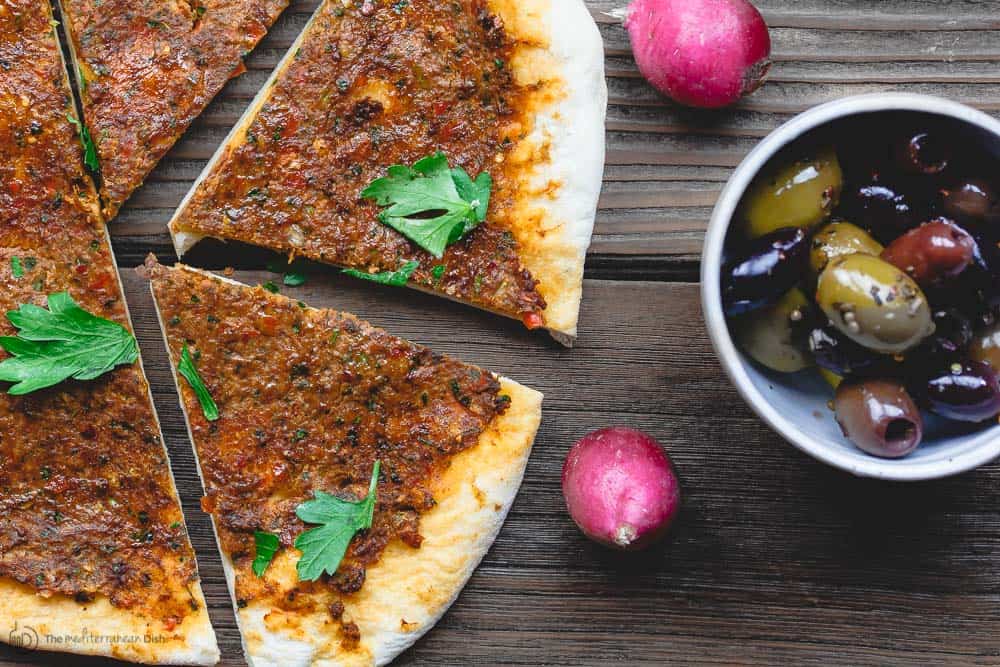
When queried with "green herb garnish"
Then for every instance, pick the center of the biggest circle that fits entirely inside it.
(323, 548)
(267, 545)
(15, 267)
(62, 342)
(187, 368)
(397, 278)
(437, 271)
(293, 279)
(89, 149)
(430, 204)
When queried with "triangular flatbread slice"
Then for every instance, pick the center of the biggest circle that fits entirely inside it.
(146, 69)
(511, 88)
(308, 400)
(94, 554)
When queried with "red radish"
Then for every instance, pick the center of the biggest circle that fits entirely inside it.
(620, 488)
(701, 53)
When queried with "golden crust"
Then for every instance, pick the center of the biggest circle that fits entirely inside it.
(560, 163)
(97, 628)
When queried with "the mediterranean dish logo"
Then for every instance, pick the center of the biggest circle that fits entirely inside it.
(23, 638)
(26, 638)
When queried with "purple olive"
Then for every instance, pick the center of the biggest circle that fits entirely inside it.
(766, 268)
(972, 200)
(836, 352)
(967, 391)
(880, 208)
(922, 154)
(878, 416)
(952, 333)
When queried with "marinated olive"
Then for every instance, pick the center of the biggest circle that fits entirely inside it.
(881, 208)
(933, 252)
(767, 334)
(967, 391)
(952, 334)
(800, 194)
(838, 354)
(924, 154)
(972, 200)
(985, 347)
(837, 239)
(874, 303)
(768, 267)
(878, 416)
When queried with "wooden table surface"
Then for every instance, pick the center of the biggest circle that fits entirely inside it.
(774, 557)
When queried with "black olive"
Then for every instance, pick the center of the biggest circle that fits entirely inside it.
(766, 268)
(882, 208)
(967, 391)
(923, 153)
(839, 354)
(972, 200)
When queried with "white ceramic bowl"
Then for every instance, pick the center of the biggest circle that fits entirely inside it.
(795, 405)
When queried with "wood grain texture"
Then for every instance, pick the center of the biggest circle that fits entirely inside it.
(666, 165)
(775, 557)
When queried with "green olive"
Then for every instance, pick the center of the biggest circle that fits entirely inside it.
(985, 346)
(874, 303)
(766, 334)
(837, 239)
(800, 194)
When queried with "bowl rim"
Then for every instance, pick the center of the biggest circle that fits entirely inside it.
(982, 448)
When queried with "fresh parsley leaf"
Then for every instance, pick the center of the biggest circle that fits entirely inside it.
(438, 271)
(187, 368)
(270, 287)
(267, 545)
(15, 267)
(62, 342)
(294, 279)
(397, 278)
(430, 204)
(323, 548)
(89, 149)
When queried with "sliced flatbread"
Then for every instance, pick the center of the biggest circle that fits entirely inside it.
(146, 68)
(94, 554)
(513, 88)
(307, 401)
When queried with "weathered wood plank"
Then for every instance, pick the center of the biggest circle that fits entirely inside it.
(775, 557)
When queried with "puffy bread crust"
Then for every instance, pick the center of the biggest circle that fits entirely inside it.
(560, 163)
(36, 622)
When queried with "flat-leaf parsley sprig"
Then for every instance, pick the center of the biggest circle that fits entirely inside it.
(60, 343)
(429, 203)
(339, 521)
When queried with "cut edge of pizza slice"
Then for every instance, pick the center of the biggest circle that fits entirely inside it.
(560, 160)
(130, 134)
(96, 627)
(408, 589)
